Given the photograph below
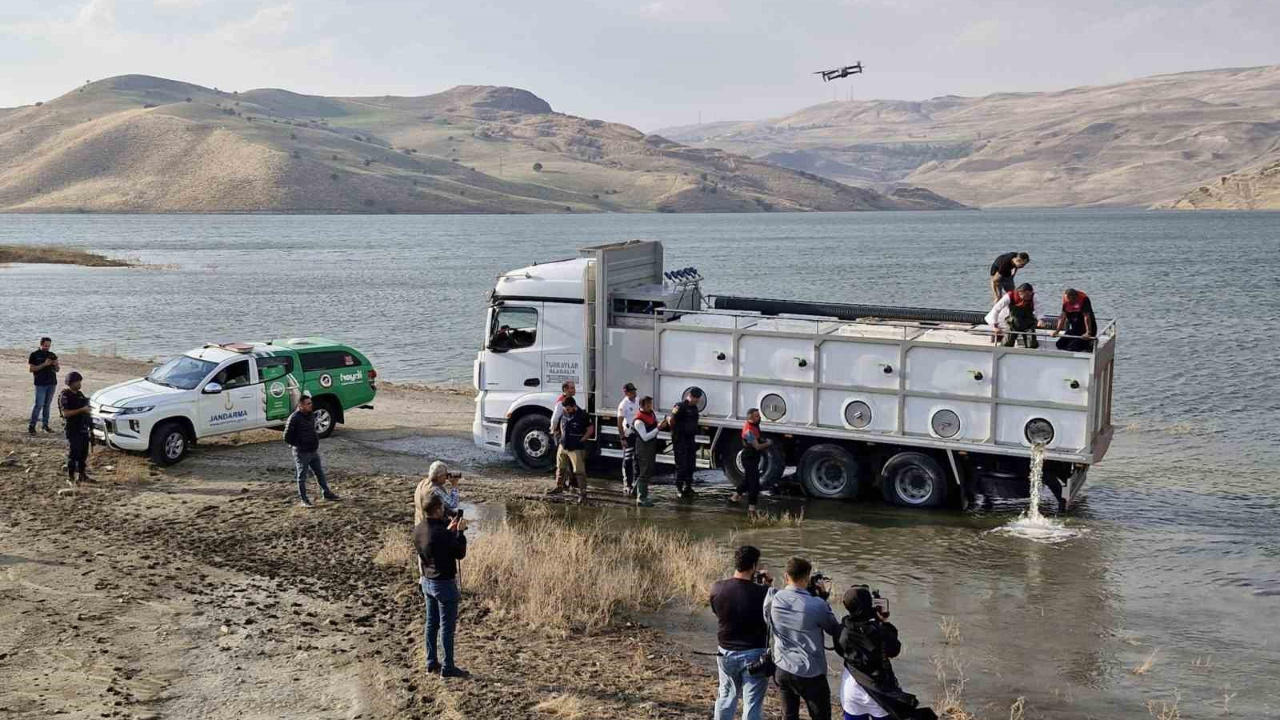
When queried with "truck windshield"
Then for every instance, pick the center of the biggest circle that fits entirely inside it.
(182, 372)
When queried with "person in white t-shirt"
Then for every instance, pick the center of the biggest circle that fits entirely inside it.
(627, 410)
(856, 702)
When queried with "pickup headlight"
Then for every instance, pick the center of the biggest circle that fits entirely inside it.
(136, 410)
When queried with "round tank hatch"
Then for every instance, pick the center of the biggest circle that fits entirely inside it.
(857, 414)
(773, 407)
(702, 401)
(945, 423)
(1038, 431)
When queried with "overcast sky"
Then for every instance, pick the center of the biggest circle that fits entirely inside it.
(648, 63)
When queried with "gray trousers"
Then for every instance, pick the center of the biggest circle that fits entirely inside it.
(306, 462)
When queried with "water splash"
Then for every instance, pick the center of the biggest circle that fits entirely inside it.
(1031, 525)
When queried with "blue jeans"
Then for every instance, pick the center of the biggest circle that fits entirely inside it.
(305, 462)
(736, 682)
(442, 614)
(44, 399)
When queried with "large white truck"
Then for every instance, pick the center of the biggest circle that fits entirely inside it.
(921, 406)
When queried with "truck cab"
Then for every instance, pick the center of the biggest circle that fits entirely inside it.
(219, 389)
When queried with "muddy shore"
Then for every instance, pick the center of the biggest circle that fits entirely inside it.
(203, 590)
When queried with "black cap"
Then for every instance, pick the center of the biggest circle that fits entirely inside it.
(1027, 287)
(857, 600)
(74, 377)
(629, 387)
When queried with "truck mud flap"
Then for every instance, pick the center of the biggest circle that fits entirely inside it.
(1075, 485)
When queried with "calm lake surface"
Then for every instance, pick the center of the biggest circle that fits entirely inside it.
(1179, 557)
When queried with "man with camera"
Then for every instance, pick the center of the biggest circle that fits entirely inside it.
(799, 616)
(440, 543)
(440, 483)
(868, 642)
(738, 603)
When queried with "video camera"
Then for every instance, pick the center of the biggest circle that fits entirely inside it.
(761, 578)
(819, 585)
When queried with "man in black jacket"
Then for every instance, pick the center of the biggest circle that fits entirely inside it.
(300, 432)
(683, 422)
(441, 544)
(868, 642)
(74, 407)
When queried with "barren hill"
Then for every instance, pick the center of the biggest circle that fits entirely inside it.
(137, 143)
(1135, 143)
(1257, 189)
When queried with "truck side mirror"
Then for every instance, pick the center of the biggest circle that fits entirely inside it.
(212, 388)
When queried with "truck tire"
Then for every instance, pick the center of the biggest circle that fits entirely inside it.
(326, 413)
(169, 443)
(913, 479)
(531, 442)
(772, 462)
(829, 471)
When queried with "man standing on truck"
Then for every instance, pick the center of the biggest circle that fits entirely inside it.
(1003, 270)
(683, 422)
(43, 364)
(1079, 321)
(567, 390)
(300, 432)
(627, 410)
(1015, 316)
(74, 408)
(575, 432)
(752, 444)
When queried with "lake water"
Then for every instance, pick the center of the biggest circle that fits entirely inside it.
(1179, 554)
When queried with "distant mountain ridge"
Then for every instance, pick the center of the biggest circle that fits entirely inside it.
(137, 143)
(1137, 143)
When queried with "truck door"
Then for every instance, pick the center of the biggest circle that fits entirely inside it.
(512, 355)
(279, 387)
(237, 407)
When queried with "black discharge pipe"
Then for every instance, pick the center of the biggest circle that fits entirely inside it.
(845, 311)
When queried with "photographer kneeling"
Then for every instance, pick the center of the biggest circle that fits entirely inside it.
(738, 603)
(440, 544)
(868, 642)
(798, 615)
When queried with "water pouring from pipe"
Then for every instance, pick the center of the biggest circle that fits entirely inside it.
(1031, 524)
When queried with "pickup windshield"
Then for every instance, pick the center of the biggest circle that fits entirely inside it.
(182, 372)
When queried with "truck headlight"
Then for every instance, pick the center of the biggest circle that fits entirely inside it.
(136, 410)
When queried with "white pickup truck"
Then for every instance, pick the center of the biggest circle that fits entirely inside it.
(222, 389)
(918, 405)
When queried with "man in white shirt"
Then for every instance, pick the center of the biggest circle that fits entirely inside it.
(1015, 317)
(627, 410)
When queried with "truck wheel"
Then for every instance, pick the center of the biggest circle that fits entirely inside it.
(531, 442)
(326, 417)
(829, 471)
(914, 479)
(168, 443)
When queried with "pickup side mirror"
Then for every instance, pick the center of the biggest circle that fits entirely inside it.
(212, 388)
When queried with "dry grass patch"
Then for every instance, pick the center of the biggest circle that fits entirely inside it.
(56, 256)
(567, 706)
(949, 669)
(397, 551)
(786, 518)
(1164, 710)
(950, 628)
(553, 574)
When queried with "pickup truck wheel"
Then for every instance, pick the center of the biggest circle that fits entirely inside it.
(326, 418)
(913, 479)
(531, 442)
(829, 471)
(168, 443)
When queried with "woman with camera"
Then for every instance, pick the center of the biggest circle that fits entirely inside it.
(868, 642)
